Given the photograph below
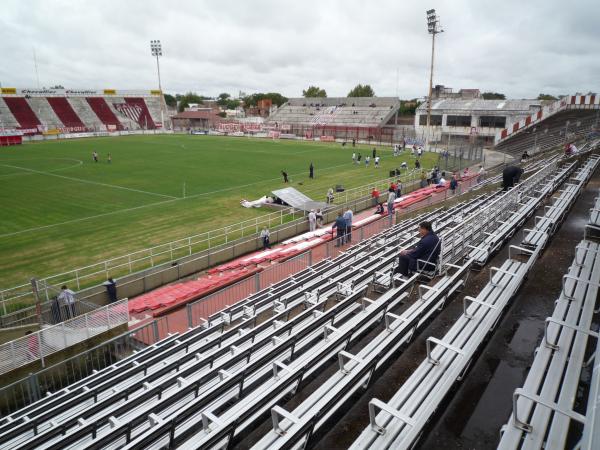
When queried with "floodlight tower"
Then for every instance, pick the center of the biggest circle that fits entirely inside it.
(433, 28)
(156, 49)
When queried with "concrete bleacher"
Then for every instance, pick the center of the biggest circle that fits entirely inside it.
(7, 118)
(22, 112)
(45, 113)
(343, 112)
(85, 113)
(566, 126)
(74, 111)
(66, 113)
(104, 112)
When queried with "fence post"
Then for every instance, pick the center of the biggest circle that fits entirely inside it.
(36, 294)
(34, 387)
(107, 316)
(155, 330)
(87, 325)
(188, 307)
(64, 332)
(257, 282)
(12, 353)
(310, 259)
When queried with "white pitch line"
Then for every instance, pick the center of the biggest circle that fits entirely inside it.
(174, 199)
(114, 186)
(81, 219)
(14, 174)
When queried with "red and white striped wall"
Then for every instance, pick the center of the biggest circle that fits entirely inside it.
(591, 101)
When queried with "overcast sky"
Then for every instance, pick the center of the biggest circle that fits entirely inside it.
(517, 47)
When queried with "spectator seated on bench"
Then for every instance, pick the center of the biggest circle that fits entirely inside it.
(424, 257)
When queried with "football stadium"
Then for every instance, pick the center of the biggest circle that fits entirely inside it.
(269, 270)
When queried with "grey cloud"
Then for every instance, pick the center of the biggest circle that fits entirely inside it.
(516, 47)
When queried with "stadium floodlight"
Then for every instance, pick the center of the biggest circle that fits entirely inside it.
(433, 28)
(156, 50)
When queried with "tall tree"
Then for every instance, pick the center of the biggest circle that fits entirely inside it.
(314, 91)
(186, 99)
(362, 91)
(252, 100)
(223, 98)
(546, 97)
(493, 96)
(170, 100)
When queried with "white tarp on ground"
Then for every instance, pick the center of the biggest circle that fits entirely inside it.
(297, 199)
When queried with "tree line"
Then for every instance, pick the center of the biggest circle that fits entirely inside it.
(225, 100)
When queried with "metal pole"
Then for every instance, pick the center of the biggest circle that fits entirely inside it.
(162, 97)
(430, 85)
(38, 306)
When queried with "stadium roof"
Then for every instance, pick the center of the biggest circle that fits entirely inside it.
(477, 104)
(336, 101)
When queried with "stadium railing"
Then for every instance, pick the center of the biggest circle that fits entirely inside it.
(193, 249)
(68, 372)
(351, 271)
(39, 345)
(240, 336)
(545, 406)
(219, 429)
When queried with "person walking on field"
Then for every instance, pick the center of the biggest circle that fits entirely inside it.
(311, 171)
(285, 176)
(109, 158)
(95, 156)
(358, 158)
(265, 236)
(354, 158)
(374, 152)
(312, 220)
(377, 162)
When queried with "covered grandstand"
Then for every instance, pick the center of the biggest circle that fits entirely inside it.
(347, 118)
(54, 111)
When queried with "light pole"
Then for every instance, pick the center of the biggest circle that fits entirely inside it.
(433, 28)
(156, 49)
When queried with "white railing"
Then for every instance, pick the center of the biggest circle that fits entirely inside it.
(147, 258)
(37, 346)
(171, 251)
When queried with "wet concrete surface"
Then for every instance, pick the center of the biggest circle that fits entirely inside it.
(483, 402)
(471, 416)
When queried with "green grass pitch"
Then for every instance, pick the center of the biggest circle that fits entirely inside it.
(60, 210)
